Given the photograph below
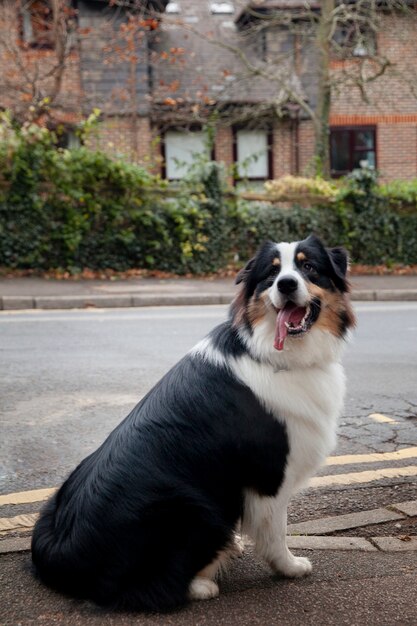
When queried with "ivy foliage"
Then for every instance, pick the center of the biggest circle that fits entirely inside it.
(71, 209)
(374, 227)
(78, 208)
(289, 187)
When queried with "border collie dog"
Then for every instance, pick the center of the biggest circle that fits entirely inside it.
(226, 437)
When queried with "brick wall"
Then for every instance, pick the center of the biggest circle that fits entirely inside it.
(71, 94)
(283, 152)
(223, 148)
(392, 92)
(124, 136)
(306, 146)
(224, 145)
(392, 105)
(39, 63)
(392, 108)
(397, 151)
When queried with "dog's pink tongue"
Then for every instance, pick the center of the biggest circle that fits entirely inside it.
(289, 313)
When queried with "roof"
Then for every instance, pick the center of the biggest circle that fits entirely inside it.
(155, 5)
(190, 69)
(250, 10)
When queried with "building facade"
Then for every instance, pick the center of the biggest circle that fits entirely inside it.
(160, 73)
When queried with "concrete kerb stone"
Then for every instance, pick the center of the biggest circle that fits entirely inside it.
(366, 295)
(79, 302)
(310, 540)
(358, 544)
(344, 522)
(396, 294)
(9, 303)
(16, 544)
(303, 542)
(406, 543)
(13, 303)
(181, 299)
(409, 508)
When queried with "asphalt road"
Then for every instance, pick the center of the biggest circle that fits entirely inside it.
(67, 378)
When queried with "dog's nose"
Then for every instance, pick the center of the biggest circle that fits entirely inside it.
(287, 285)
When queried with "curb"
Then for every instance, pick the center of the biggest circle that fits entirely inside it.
(14, 303)
(304, 535)
(344, 522)
(9, 303)
(337, 544)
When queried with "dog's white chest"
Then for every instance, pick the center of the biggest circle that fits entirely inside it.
(308, 401)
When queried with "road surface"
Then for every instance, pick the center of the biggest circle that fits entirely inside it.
(67, 378)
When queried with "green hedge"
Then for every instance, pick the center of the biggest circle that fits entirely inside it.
(374, 237)
(72, 209)
(362, 218)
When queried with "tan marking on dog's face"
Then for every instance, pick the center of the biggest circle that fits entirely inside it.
(335, 310)
(301, 256)
(276, 261)
(238, 308)
(257, 308)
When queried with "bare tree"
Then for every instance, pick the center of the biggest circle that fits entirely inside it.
(35, 54)
(116, 64)
(302, 55)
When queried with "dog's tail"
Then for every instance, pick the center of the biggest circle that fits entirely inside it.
(51, 559)
(58, 562)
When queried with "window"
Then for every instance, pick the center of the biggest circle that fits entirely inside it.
(37, 23)
(351, 148)
(67, 138)
(253, 154)
(180, 148)
(354, 40)
(222, 8)
(173, 7)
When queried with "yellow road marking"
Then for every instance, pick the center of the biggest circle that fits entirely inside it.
(25, 497)
(363, 477)
(17, 523)
(39, 495)
(379, 417)
(27, 521)
(405, 453)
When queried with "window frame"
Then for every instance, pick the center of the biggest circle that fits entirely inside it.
(164, 168)
(44, 41)
(352, 129)
(269, 156)
(369, 41)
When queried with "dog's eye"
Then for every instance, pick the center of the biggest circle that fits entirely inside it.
(308, 267)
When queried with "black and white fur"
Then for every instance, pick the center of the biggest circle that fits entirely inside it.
(228, 435)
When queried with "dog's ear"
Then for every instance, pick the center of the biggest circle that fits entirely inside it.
(244, 272)
(339, 261)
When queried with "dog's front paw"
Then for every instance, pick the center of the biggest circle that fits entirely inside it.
(203, 589)
(294, 567)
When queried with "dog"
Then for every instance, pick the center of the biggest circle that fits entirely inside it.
(226, 437)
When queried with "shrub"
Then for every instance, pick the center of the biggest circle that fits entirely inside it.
(79, 208)
(360, 218)
(401, 194)
(296, 188)
(72, 209)
(260, 221)
(64, 208)
(372, 228)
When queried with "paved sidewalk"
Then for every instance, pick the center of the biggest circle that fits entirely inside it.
(355, 581)
(305, 535)
(38, 293)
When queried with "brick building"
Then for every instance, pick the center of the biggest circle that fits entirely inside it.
(159, 78)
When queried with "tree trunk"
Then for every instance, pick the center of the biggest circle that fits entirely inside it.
(322, 116)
